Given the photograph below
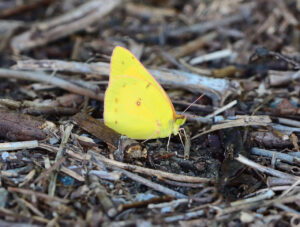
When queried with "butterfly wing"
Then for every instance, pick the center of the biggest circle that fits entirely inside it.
(136, 108)
(123, 62)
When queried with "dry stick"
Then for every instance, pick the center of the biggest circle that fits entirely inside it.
(186, 216)
(19, 145)
(30, 206)
(103, 198)
(222, 109)
(284, 157)
(45, 78)
(265, 169)
(266, 195)
(216, 88)
(151, 172)
(290, 122)
(62, 26)
(59, 155)
(37, 194)
(255, 204)
(239, 121)
(48, 171)
(151, 184)
(206, 26)
(20, 7)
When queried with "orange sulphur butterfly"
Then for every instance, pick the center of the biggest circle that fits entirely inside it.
(135, 104)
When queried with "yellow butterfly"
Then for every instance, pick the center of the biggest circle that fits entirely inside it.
(135, 104)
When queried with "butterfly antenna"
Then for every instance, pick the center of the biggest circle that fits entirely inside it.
(151, 137)
(193, 103)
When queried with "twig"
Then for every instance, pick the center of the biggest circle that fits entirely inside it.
(48, 171)
(206, 26)
(150, 172)
(212, 56)
(265, 169)
(18, 145)
(284, 157)
(187, 215)
(289, 122)
(215, 88)
(151, 184)
(101, 193)
(266, 195)
(37, 194)
(44, 78)
(64, 25)
(240, 121)
(59, 155)
(222, 109)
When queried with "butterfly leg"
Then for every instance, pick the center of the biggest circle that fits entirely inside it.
(182, 129)
(168, 142)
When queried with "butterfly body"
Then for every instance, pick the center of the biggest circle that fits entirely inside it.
(135, 104)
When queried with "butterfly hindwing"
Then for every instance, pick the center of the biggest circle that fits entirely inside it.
(136, 108)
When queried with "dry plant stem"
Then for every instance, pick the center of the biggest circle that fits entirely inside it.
(149, 11)
(18, 145)
(64, 25)
(222, 109)
(290, 189)
(72, 174)
(173, 203)
(256, 204)
(266, 195)
(278, 78)
(212, 56)
(186, 216)
(101, 193)
(151, 184)
(276, 181)
(289, 122)
(59, 155)
(284, 157)
(48, 171)
(45, 78)
(182, 184)
(150, 172)
(111, 176)
(206, 26)
(192, 46)
(9, 213)
(240, 121)
(187, 146)
(286, 129)
(265, 169)
(30, 206)
(215, 88)
(37, 194)
(20, 7)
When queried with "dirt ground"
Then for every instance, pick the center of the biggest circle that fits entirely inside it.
(236, 162)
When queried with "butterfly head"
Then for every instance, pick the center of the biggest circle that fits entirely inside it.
(179, 120)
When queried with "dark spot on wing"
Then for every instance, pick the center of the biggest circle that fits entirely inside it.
(139, 102)
(116, 122)
(132, 57)
(116, 100)
(122, 62)
(158, 123)
(148, 85)
(116, 110)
